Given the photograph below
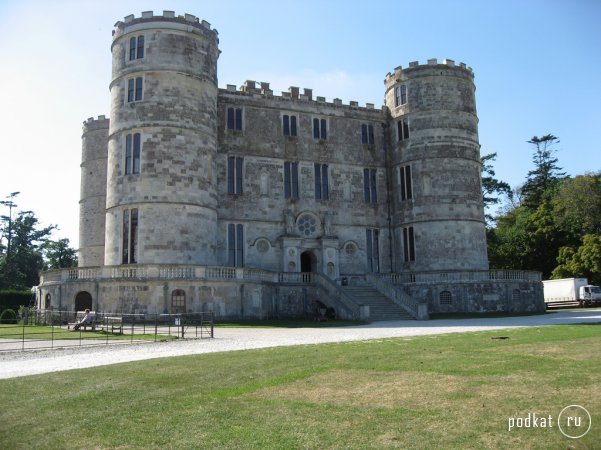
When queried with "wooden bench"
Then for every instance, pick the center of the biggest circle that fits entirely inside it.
(91, 326)
(114, 324)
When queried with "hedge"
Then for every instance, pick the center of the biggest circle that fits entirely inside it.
(8, 316)
(14, 299)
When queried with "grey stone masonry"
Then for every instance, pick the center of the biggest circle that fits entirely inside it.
(253, 203)
(92, 204)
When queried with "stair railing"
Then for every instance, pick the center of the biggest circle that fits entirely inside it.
(417, 309)
(350, 308)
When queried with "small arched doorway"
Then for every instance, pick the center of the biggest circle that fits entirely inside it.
(83, 301)
(308, 261)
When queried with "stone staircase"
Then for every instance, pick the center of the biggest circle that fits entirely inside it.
(380, 306)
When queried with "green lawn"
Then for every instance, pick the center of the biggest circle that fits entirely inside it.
(436, 392)
(61, 333)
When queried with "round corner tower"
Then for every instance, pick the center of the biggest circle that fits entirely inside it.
(435, 159)
(161, 196)
(92, 203)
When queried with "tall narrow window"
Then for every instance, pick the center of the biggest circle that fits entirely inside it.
(132, 153)
(130, 236)
(140, 49)
(134, 89)
(372, 238)
(133, 245)
(408, 244)
(131, 89)
(367, 134)
(136, 48)
(406, 183)
(132, 49)
(400, 95)
(403, 129)
(234, 175)
(289, 125)
(128, 152)
(370, 192)
(139, 85)
(235, 245)
(321, 182)
(320, 129)
(125, 239)
(136, 154)
(234, 119)
(291, 179)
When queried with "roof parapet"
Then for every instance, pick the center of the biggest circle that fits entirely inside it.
(430, 62)
(294, 93)
(187, 19)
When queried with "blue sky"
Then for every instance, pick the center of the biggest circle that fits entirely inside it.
(537, 68)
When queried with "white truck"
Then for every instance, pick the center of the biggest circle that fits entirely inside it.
(568, 290)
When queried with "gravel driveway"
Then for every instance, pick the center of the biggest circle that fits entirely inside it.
(17, 364)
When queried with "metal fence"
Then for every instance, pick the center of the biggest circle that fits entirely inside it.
(55, 329)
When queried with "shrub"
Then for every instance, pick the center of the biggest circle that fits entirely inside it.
(8, 316)
(14, 299)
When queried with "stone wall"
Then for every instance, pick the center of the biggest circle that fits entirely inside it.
(491, 296)
(227, 299)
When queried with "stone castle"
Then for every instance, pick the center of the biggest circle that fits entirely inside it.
(253, 204)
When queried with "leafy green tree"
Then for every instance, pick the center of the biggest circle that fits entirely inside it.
(545, 239)
(59, 255)
(541, 182)
(492, 189)
(582, 261)
(509, 244)
(577, 206)
(19, 269)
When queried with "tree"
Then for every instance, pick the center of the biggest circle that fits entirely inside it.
(492, 188)
(584, 261)
(541, 181)
(577, 206)
(19, 269)
(509, 245)
(7, 229)
(58, 255)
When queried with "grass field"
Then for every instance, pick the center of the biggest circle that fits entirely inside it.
(446, 391)
(40, 332)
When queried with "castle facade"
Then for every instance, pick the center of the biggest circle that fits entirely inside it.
(251, 203)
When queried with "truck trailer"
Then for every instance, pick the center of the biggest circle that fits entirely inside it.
(570, 290)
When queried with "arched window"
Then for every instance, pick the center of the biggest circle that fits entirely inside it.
(515, 295)
(48, 301)
(446, 298)
(178, 301)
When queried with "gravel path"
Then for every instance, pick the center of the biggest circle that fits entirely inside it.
(17, 364)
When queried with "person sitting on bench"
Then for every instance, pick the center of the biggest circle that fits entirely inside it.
(87, 318)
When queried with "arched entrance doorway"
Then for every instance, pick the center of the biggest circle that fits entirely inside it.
(308, 261)
(83, 301)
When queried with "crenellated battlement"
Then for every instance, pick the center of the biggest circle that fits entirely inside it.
(188, 20)
(449, 63)
(90, 120)
(262, 89)
(95, 123)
